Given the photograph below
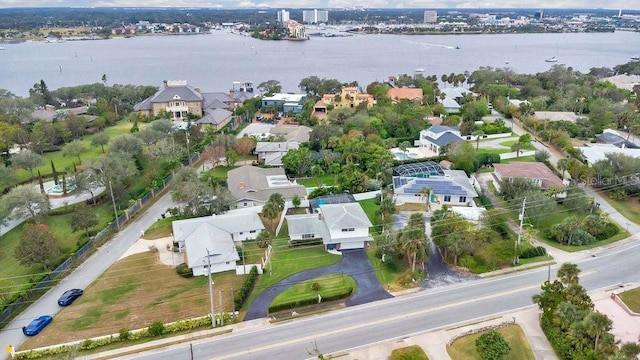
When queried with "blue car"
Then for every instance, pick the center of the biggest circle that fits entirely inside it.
(37, 325)
(69, 296)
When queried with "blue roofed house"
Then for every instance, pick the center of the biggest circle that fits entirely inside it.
(439, 136)
(289, 102)
(450, 187)
(213, 239)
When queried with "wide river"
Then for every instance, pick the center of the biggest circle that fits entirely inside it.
(214, 61)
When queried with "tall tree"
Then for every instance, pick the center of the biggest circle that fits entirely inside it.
(26, 159)
(74, 148)
(413, 241)
(126, 144)
(83, 219)
(100, 139)
(523, 142)
(597, 324)
(25, 202)
(38, 246)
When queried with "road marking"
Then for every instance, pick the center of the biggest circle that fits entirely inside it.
(372, 323)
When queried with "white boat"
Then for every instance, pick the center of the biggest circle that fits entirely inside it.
(552, 59)
(419, 70)
(636, 58)
(1, 47)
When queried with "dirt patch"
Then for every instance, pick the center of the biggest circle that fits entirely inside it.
(133, 293)
(411, 207)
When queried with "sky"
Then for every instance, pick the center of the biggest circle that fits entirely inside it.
(233, 4)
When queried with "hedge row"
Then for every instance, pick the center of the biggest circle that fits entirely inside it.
(241, 296)
(309, 301)
(124, 335)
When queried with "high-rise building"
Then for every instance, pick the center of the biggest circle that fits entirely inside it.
(315, 16)
(430, 17)
(283, 16)
(538, 14)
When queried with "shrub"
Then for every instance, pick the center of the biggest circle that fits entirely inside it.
(241, 296)
(315, 286)
(390, 263)
(184, 270)
(492, 346)
(533, 252)
(608, 231)
(582, 237)
(124, 334)
(156, 328)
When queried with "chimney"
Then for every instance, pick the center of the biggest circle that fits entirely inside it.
(241, 185)
(320, 216)
(232, 93)
(165, 83)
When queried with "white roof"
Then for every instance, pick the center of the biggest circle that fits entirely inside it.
(338, 216)
(596, 152)
(284, 97)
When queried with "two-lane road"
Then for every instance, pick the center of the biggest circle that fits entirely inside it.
(396, 318)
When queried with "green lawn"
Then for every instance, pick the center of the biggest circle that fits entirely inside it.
(413, 352)
(629, 208)
(530, 158)
(370, 208)
(631, 298)
(386, 276)
(327, 286)
(13, 273)
(509, 143)
(326, 179)
(464, 348)
(62, 163)
(482, 150)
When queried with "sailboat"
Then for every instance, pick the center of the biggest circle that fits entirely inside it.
(553, 58)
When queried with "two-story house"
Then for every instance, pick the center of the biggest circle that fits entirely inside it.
(271, 153)
(288, 102)
(439, 136)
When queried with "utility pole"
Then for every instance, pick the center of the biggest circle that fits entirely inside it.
(113, 200)
(521, 216)
(213, 314)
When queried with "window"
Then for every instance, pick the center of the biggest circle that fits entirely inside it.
(244, 204)
(308, 236)
(447, 198)
(176, 104)
(463, 199)
(240, 233)
(348, 229)
(252, 232)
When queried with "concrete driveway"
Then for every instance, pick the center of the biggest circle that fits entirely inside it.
(354, 263)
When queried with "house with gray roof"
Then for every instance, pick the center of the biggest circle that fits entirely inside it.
(341, 226)
(439, 136)
(216, 118)
(271, 153)
(179, 99)
(252, 185)
(212, 240)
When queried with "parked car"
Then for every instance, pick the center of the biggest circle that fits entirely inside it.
(37, 325)
(69, 296)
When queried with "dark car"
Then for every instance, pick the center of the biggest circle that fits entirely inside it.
(37, 325)
(69, 296)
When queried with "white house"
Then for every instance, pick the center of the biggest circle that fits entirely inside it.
(439, 136)
(213, 239)
(340, 226)
(453, 188)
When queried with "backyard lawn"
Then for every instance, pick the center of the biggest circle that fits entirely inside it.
(629, 207)
(464, 348)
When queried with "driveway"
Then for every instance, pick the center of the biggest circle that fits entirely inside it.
(354, 263)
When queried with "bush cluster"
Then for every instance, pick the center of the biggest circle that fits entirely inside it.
(155, 329)
(241, 296)
(184, 270)
(533, 252)
(309, 301)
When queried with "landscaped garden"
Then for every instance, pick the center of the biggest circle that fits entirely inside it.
(465, 348)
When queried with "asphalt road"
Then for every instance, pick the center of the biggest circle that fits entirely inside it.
(396, 318)
(86, 273)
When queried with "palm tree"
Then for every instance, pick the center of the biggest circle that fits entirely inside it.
(425, 193)
(563, 165)
(597, 324)
(413, 240)
(523, 141)
(478, 134)
(568, 273)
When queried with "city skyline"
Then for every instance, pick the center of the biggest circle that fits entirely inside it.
(328, 4)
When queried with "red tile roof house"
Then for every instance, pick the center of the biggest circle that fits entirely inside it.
(537, 173)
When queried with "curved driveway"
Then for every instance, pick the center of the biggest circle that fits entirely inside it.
(354, 263)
